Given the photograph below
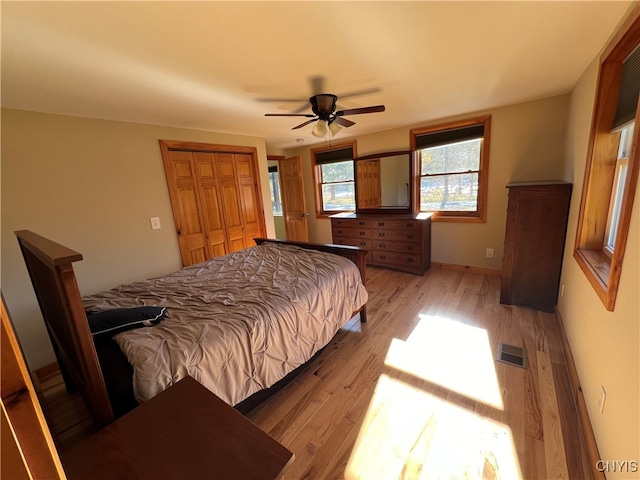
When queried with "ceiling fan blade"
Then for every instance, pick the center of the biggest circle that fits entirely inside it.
(303, 107)
(365, 91)
(357, 111)
(309, 115)
(283, 100)
(305, 123)
(343, 122)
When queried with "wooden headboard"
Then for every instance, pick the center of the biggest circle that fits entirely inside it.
(50, 267)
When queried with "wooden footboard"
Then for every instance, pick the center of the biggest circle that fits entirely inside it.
(355, 254)
(50, 266)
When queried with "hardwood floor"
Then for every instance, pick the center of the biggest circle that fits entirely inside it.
(416, 392)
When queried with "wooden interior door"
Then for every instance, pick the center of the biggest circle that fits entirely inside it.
(294, 206)
(212, 215)
(215, 197)
(225, 164)
(185, 201)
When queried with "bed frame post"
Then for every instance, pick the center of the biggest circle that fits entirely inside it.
(50, 266)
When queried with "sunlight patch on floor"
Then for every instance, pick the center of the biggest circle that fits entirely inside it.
(451, 354)
(409, 433)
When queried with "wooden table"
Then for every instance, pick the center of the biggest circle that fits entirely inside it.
(185, 432)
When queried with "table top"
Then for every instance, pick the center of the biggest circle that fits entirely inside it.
(185, 432)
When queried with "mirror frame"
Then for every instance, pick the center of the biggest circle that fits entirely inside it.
(381, 155)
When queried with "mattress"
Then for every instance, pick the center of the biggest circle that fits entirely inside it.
(236, 323)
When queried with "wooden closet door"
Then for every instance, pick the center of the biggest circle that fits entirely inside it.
(212, 215)
(231, 206)
(185, 200)
(248, 189)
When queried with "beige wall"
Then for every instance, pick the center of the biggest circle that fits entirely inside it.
(605, 345)
(91, 185)
(527, 143)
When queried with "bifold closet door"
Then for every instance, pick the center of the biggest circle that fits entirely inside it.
(180, 169)
(216, 200)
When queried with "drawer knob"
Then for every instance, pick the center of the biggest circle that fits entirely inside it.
(363, 233)
(410, 247)
(381, 234)
(381, 245)
(410, 236)
(382, 257)
(381, 224)
(361, 223)
(410, 260)
(363, 243)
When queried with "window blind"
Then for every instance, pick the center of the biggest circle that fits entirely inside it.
(628, 90)
(443, 137)
(332, 156)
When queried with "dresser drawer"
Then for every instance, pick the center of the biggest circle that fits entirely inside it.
(393, 246)
(396, 224)
(402, 235)
(395, 258)
(350, 223)
(351, 232)
(354, 242)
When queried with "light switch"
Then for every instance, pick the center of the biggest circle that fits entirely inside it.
(155, 223)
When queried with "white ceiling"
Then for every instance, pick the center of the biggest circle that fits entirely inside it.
(204, 65)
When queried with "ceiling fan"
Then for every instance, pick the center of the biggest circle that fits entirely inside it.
(323, 106)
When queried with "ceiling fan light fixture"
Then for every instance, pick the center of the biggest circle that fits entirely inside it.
(326, 102)
(320, 130)
(334, 128)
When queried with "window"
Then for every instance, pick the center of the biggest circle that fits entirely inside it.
(617, 192)
(453, 162)
(274, 187)
(334, 175)
(611, 172)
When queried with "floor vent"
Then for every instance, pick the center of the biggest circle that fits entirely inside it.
(512, 355)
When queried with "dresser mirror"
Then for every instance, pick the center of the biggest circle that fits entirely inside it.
(383, 182)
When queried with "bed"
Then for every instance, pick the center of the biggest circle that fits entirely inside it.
(273, 308)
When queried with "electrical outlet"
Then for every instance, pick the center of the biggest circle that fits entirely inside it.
(155, 223)
(562, 290)
(489, 253)
(603, 397)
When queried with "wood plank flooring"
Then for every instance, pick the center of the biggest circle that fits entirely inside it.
(416, 392)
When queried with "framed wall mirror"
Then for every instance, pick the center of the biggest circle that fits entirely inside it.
(383, 182)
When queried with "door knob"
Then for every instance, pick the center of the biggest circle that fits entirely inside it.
(302, 215)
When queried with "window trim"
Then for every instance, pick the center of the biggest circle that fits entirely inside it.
(315, 170)
(602, 272)
(480, 214)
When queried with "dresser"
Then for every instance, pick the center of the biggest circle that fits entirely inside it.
(534, 243)
(402, 242)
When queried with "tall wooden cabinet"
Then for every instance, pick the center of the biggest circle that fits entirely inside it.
(215, 196)
(537, 216)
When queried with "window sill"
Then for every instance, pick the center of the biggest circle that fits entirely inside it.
(596, 266)
(436, 217)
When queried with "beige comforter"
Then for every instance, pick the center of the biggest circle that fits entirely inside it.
(237, 323)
